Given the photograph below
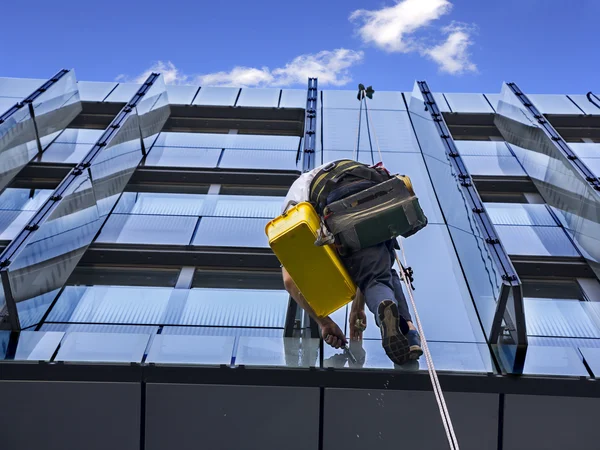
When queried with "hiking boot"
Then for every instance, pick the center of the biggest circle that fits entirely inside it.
(414, 341)
(393, 340)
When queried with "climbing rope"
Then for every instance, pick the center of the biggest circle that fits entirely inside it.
(407, 279)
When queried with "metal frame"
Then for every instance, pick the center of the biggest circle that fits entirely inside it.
(591, 96)
(499, 255)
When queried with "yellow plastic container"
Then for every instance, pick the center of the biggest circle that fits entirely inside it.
(317, 270)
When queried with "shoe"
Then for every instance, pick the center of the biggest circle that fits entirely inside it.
(393, 340)
(414, 341)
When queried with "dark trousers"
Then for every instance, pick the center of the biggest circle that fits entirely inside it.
(372, 268)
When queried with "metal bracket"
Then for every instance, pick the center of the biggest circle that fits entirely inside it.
(310, 127)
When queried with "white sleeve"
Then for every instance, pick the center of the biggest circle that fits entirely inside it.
(298, 192)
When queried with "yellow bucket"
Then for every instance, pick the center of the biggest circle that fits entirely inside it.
(317, 270)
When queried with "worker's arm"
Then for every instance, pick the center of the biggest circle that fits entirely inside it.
(357, 313)
(332, 334)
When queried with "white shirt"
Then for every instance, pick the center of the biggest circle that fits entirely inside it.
(300, 190)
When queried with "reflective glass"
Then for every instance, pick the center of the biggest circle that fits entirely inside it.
(153, 111)
(536, 241)
(19, 87)
(228, 141)
(182, 157)
(229, 331)
(95, 328)
(181, 349)
(493, 99)
(79, 136)
(6, 103)
(95, 91)
(32, 310)
(293, 98)
(585, 150)
(231, 232)
(554, 104)
(242, 206)
(346, 99)
(235, 308)
(559, 318)
(60, 152)
(483, 148)
(493, 165)
(554, 361)
(156, 203)
(12, 222)
(277, 352)
(148, 229)
(427, 134)
(468, 103)
(103, 347)
(181, 95)
(593, 164)
(364, 156)
(259, 159)
(259, 97)
(439, 98)
(30, 345)
(21, 199)
(123, 92)
(519, 214)
(583, 102)
(592, 358)
(217, 96)
(111, 304)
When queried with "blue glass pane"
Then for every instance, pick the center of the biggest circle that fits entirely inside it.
(593, 164)
(123, 92)
(493, 99)
(94, 91)
(218, 96)
(231, 232)
(592, 358)
(277, 352)
(340, 130)
(346, 99)
(267, 207)
(229, 331)
(468, 103)
(147, 229)
(205, 350)
(182, 157)
(493, 165)
(94, 328)
(19, 199)
(79, 136)
(153, 111)
(235, 308)
(181, 95)
(536, 241)
(439, 98)
(554, 104)
(12, 222)
(30, 345)
(102, 347)
(6, 103)
(583, 102)
(160, 204)
(32, 310)
(259, 159)
(19, 87)
(293, 98)
(364, 156)
(229, 141)
(554, 361)
(560, 318)
(259, 97)
(483, 148)
(519, 214)
(60, 152)
(111, 304)
(585, 150)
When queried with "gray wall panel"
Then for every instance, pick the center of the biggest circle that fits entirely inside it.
(540, 422)
(70, 416)
(361, 419)
(231, 417)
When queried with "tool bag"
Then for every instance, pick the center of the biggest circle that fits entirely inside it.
(383, 212)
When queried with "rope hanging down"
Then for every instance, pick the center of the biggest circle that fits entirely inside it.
(407, 278)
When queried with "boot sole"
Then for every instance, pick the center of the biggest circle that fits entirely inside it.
(393, 341)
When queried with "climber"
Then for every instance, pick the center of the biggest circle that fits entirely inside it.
(371, 268)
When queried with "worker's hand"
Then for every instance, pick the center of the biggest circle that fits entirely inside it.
(332, 334)
(358, 323)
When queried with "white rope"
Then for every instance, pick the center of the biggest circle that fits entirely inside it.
(435, 382)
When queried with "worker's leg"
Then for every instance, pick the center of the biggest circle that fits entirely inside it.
(400, 297)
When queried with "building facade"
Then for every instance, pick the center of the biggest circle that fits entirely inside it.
(141, 306)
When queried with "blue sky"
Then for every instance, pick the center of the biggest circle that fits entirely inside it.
(546, 46)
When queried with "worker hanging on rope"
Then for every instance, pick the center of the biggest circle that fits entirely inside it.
(362, 209)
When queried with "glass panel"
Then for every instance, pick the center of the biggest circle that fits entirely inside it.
(346, 99)
(19, 87)
(238, 279)
(235, 308)
(553, 104)
(103, 347)
(439, 99)
(243, 206)
(181, 95)
(12, 222)
(206, 350)
(218, 96)
(229, 141)
(559, 318)
(483, 148)
(79, 136)
(340, 130)
(86, 327)
(586, 150)
(60, 152)
(493, 99)
(160, 204)
(259, 159)
(293, 98)
(153, 111)
(231, 232)
(20, 199)
(146, 229)
(278, 352)
(111, 304)
(493, 165)
(364, 156)
(583, 102)
(259, 97)
(592, 358)
(536, 241)
(519, 214)
(229, 331)
(123, 92)
(6, 103)
(183, 157)
(554, 361)
(29, 345)
(593, 164)
(468, 103)
(94, 91)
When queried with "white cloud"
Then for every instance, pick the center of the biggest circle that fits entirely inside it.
(391, 28)
(331, 67)
(453, 56)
